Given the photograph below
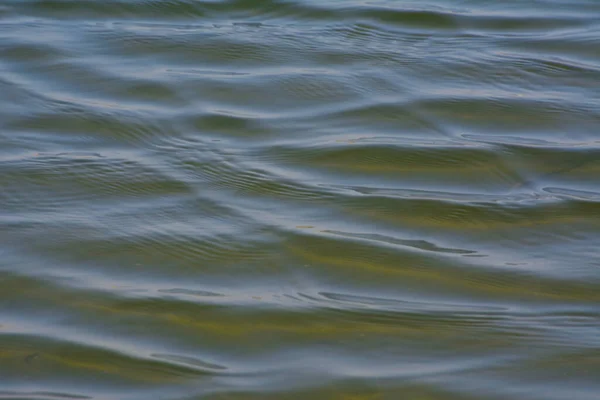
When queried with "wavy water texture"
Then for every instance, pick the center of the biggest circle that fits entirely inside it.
(292, 199)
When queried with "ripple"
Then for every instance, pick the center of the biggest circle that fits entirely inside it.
(40, 395)
(417, 244)
(191, 361)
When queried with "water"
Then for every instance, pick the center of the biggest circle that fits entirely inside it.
(299, 199)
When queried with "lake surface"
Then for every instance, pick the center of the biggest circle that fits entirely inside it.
(300, 199)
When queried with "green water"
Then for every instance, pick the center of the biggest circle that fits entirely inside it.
(300, 199)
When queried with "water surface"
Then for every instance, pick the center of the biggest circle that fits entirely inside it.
(299, 199)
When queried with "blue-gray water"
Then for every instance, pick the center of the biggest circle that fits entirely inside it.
(300, 199)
